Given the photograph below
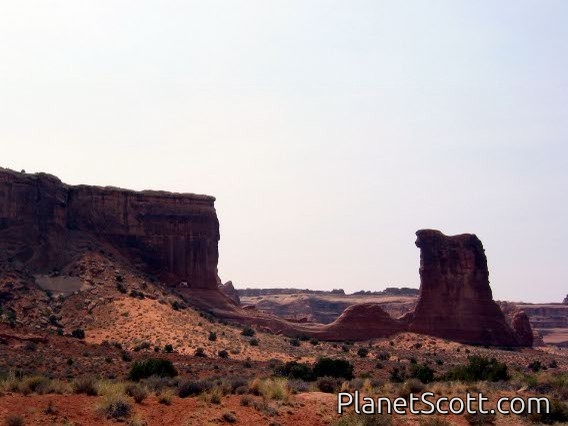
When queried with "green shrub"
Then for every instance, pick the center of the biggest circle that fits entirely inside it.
(212, 336)
(253, 342)
(363, 352)
(479, 368)
(151, 367)
(422, 372)
(168, 349)
(333, 368)
(223, 354)
(295, 370)
(248, 331)
(397, 375)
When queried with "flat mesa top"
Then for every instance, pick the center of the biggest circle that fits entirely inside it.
(22, 176)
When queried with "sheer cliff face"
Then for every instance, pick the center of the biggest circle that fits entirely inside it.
(43, 222)
(455, 298)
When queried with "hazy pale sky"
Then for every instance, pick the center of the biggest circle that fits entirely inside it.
(329, 131)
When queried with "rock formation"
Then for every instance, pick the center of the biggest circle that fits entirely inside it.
(45, 225)
(361, 322)
(43, 222)
(455, 299)
(523, 329)
(230, 291)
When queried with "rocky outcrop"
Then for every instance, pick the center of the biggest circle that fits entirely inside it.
(230, 291)
(455, 299)
(361, 322)
(44, 223)
(565, 301)
(523, 329)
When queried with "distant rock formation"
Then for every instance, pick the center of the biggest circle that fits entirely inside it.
(361, 322)
(44, 222)
(523, 329)
(565, 301)
(46, 225)
(230, 291)
(455, 300)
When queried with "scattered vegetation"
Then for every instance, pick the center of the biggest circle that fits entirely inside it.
(248, 332)
(479, 368)
(152, 367)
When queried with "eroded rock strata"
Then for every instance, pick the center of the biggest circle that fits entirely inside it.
(455, 299)
(44, 223)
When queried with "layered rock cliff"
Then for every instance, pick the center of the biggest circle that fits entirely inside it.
(455, 299)
(46, 226)
(44, 223)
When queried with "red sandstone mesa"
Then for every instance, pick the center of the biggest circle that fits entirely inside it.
(45, 224)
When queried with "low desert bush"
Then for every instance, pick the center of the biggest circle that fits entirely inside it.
(276, 389)
(324, 367)
(478, 369)
(85, 385)
(151, 367)
(229, 417)
(78, 333)
(422, 372)
(298, 386)
(193, 387)
(413, 386)
(328, 384)
(114, 407)
(246, 401)
(14, 420)
(165, 396)
(137, 392)
(248, 331)
(333, 368)
(295, 370)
